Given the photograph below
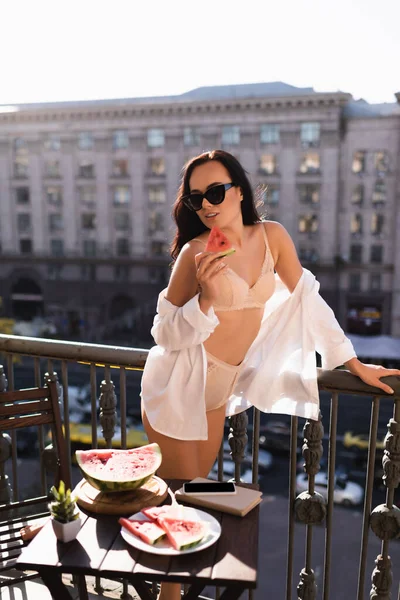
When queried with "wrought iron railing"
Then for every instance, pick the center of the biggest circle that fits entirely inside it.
(58, 358)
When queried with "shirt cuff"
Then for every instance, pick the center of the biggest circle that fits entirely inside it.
(193, 314)
(339, 355)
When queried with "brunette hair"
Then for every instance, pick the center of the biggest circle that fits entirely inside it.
(187, 222)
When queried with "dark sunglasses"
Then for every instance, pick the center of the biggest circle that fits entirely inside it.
(214, 195)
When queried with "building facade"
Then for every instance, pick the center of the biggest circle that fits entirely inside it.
(86, 190)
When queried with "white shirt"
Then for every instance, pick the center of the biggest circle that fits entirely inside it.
(278, 373)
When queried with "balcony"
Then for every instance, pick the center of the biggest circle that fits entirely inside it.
(304, 537)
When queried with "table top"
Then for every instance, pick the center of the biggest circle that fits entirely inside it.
(100, 550)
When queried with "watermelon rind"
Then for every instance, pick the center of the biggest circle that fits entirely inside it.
(148, 531)
(183, 534)
(226, 252)
(99, 477)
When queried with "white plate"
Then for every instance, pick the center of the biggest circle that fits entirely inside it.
(163, 546)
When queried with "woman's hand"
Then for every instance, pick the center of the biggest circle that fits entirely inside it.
(371, 374)
(209, 266)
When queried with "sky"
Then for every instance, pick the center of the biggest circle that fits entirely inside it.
(85, 50)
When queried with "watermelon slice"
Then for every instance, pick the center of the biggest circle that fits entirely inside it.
(183, 534)
(148, 531)
(153, 512)
(218, 242)
(119, 470)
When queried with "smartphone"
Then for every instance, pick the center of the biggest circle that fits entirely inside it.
(209, 487)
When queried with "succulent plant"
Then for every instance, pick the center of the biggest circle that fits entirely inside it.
(63, 507)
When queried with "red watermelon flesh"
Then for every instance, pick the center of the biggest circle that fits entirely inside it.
(119, 470)
(148, 531)
(153, 512)
(218, 242)
(183, 534)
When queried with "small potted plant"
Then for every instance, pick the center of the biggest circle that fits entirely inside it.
(65, 514)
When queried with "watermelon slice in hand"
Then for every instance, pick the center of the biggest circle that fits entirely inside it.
(183, 534)
(148, 531)
(218, 242)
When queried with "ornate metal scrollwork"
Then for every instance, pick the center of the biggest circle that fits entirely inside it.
(391, 456)
(385, 522)
(238, 436)
(108, 414)
(381, 579)
(312, 447)
(310, 509)
(307, 588)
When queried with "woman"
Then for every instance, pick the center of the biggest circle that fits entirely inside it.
(209, 328)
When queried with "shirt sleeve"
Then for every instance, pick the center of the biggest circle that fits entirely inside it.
(329, 338)
(179, 327)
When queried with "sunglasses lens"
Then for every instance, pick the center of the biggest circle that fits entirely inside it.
(216, 194)
(196, 201)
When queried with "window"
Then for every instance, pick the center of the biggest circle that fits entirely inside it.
(356, 224)
(25, 246)
(376, 255)
(86, 169)
(88, 272)
(377, 224)
(122, 272)
(375, 282)
(308, 255)
(268, 164)
(53, 142)
(381, 161)
(21, 166)
(23, 222)
(54, 196)
(355, 282)
(57, 247)
(158, 275)
(88, 221)
(310, 134)
(85, 140)
(122, 247)
(308, 224)
(157, 248)
(156, 221)
(271, 195)
(89, 248)
(120, 168)
(56, 222)
(356, 251)
(359, 159)
(157, 166)
(379, 193)
(191, 136)
(155, 138)
(357, 197)
(52, 168)
(122, 195)
(22, 195)
(20, 146)
(309, 194)
(54, 271)
(310, 163)
(269, 134)
(122, 221)
(157, 195)
(87, 196)
(120, 139)
(231, 135)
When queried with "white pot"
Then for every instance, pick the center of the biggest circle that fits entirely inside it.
(66, 532)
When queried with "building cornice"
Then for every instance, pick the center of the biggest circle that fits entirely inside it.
(167, 109)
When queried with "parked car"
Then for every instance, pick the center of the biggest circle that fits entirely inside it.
(275, 435)
(345, 492)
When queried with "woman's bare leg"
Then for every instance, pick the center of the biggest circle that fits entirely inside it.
(182, 459)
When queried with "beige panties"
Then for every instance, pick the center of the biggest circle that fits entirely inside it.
(221, 379)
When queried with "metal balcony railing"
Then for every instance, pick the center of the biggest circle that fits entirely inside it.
(61, 359)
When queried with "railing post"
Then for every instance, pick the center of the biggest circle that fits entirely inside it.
(108, 404)
(5, 452)
(310, 507)
(238, 440)
(49, 453)
(385, 518)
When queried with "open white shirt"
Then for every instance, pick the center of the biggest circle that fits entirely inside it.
(278, 373)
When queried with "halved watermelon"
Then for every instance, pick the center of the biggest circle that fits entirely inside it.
(183, 534)
(218, 242)
(148, 531)
(119, 470)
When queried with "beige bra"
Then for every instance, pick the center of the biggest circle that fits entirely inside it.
(235, 293)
